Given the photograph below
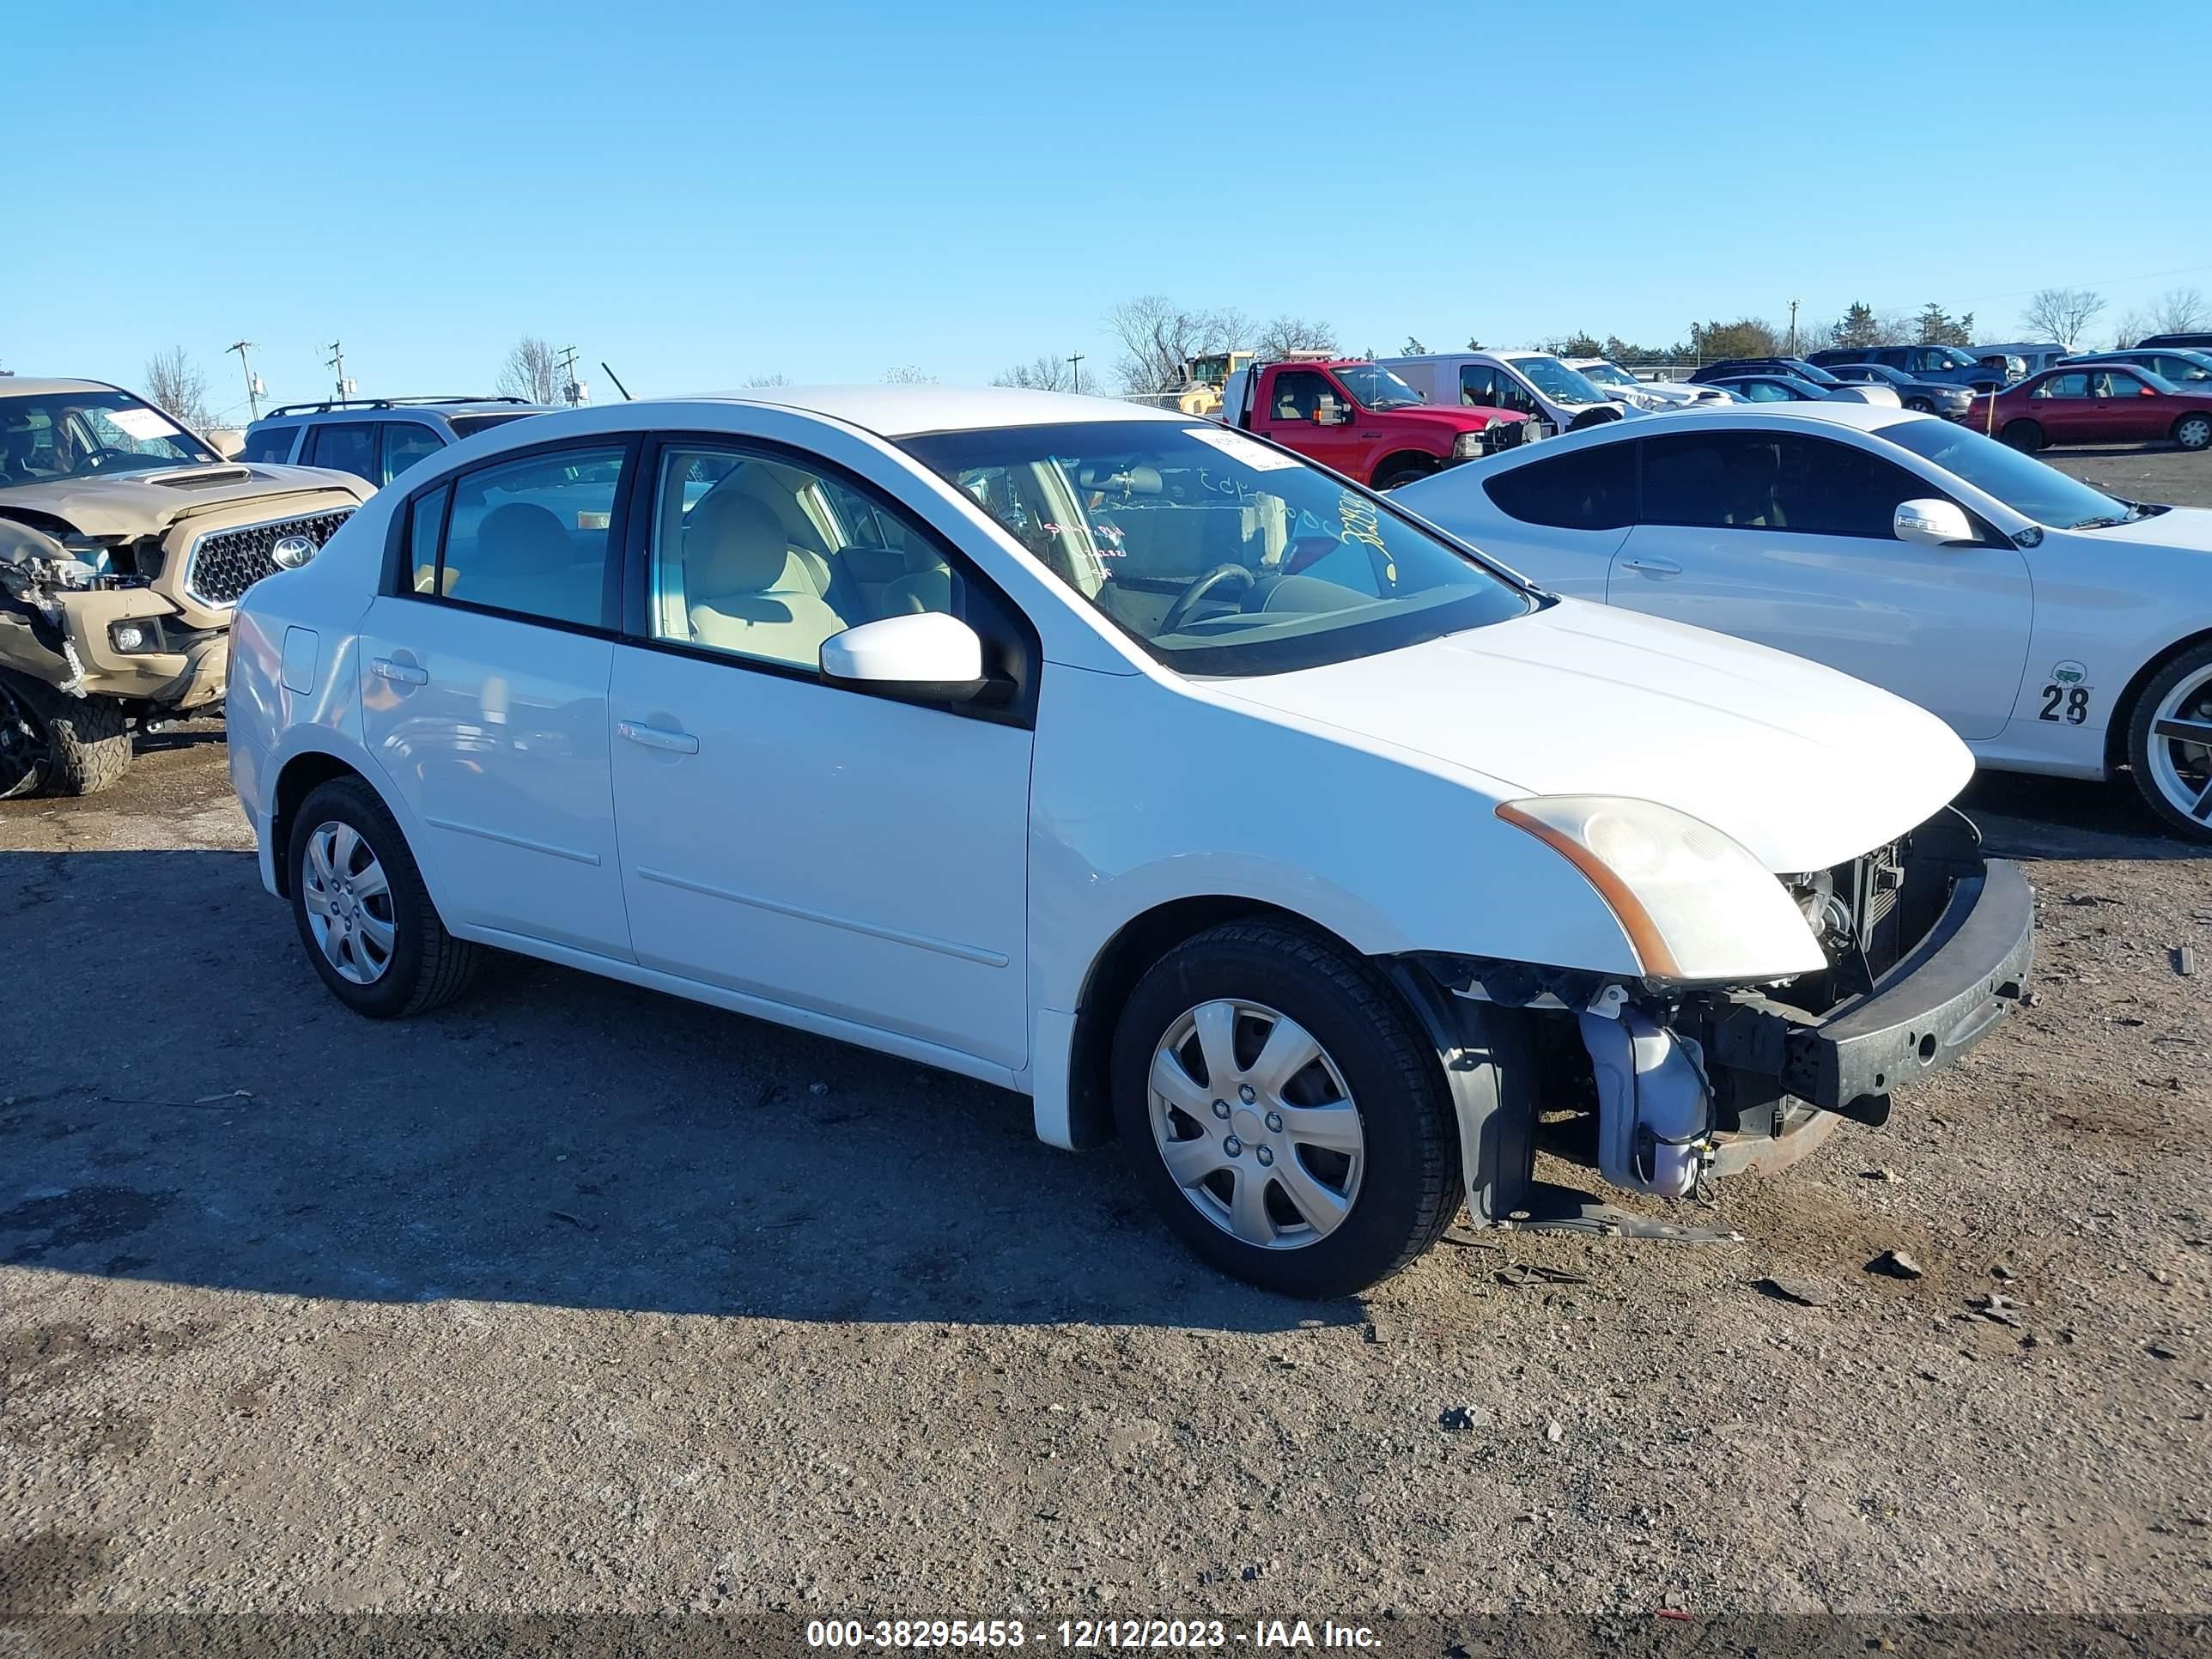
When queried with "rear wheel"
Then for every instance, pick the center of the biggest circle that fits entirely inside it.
(53, 744)
(363, 911)
(1283, 1113)
(2193, 432)
(2023, 435)
(2170, 742)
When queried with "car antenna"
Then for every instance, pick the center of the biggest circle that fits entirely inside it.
(616, 378)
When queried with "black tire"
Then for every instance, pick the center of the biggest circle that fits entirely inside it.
(429, 967)
(1400, 469)
(2193, 431)
(2023, 436)
(1920, 405)
(58, 744)
(2140, 717)
(1411, 1186)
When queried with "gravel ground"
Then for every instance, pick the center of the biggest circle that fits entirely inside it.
(574, 1298)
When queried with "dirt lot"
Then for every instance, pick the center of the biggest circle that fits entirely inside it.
(574, 1298)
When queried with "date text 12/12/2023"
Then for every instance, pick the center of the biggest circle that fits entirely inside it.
(1087, 1634)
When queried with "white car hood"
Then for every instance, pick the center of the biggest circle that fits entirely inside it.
(2189, 528)
(1803, 766)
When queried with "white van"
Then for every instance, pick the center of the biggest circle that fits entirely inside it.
(1532, 383)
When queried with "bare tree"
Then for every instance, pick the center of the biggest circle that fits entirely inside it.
(1043, 373)
(531, 371)
(768, 379)
(2179, 311)
(1288, 333)
(2131, 326)
(1159, 338)
(175, 385)
(907, 375)
(2062, 314)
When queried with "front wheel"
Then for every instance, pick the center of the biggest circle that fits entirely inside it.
(1393, 474)
(363, 911)
(1920, 405)
(2023, 435)
(2170, 743)
(2193, 432)
(1283, 1112)
(53, 744)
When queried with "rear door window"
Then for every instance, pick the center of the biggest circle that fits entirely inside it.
(404, 443)
(533, 537)
(346, 446)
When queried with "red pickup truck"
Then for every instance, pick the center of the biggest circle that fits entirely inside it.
(1361, 420)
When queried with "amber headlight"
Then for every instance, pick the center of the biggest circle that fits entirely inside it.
(1695, 904)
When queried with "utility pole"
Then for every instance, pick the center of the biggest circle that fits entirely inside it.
(572, 391)
(253, 386)
(1793, 328)
(1075, 362)
(337, 360)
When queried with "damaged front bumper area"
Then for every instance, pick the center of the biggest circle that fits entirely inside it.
(1929, 945)
(90, 638)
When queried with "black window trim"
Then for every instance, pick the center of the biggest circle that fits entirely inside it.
(1022, 662)
(398, 581)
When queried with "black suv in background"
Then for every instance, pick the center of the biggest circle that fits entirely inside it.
(375, 438)
(1946, 365)
(2196, 342)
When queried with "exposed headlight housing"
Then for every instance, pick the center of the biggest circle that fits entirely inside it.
(1468, 445)
(1695, 904)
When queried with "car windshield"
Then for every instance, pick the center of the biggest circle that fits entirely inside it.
(1797, 370)
(92, 434)
(2020, 482)
(1954, 358)
(1607, 374)
(1556, 381)
(1376, 387)
(1218, 554)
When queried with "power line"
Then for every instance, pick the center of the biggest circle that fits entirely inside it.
(2105, 281)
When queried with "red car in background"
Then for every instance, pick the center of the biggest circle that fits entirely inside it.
(2096, 404)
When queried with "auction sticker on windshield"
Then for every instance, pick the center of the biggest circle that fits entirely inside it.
(142, 423)
(1239, 447)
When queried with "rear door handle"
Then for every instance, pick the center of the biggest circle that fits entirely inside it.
(1652, 566)
(399, 673)
(652, 736)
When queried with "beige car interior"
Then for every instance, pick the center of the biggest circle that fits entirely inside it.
(771, 561)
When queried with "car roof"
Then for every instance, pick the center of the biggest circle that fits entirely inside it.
(1866, 417)
(899, 411)
(17, 385)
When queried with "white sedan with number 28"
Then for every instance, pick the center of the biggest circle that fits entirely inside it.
(1139, 767)
(2056, 628)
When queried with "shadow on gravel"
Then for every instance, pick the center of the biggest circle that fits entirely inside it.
(2026, 817)
(183, 1102)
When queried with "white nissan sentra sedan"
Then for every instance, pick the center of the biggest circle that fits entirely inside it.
(1132, 764)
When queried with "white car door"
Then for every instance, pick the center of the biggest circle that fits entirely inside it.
(1557, 520)
(483, 693)
(1786, 538)
(855, 855)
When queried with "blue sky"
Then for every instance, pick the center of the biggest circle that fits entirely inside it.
(698, 193)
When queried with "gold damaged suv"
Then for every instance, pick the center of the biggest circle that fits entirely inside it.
(125, 543)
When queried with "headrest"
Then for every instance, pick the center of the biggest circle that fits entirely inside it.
(1135, 479)
(523, 533)
(732, 544)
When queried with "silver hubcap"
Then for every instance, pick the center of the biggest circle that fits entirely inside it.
(2181, 746)
(348, 902)
(2195, 432)
(1253, 1121)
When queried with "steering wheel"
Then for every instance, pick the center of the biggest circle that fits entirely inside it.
(1179, 612)
(96, 456)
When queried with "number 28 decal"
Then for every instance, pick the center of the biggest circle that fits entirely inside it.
(2065, 696)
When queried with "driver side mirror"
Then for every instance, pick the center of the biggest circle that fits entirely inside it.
(928, 655)
(1932, 524)
(1332, 413)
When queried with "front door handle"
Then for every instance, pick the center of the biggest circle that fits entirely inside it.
(399, 673)
(652, 736)
(1652, 566)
